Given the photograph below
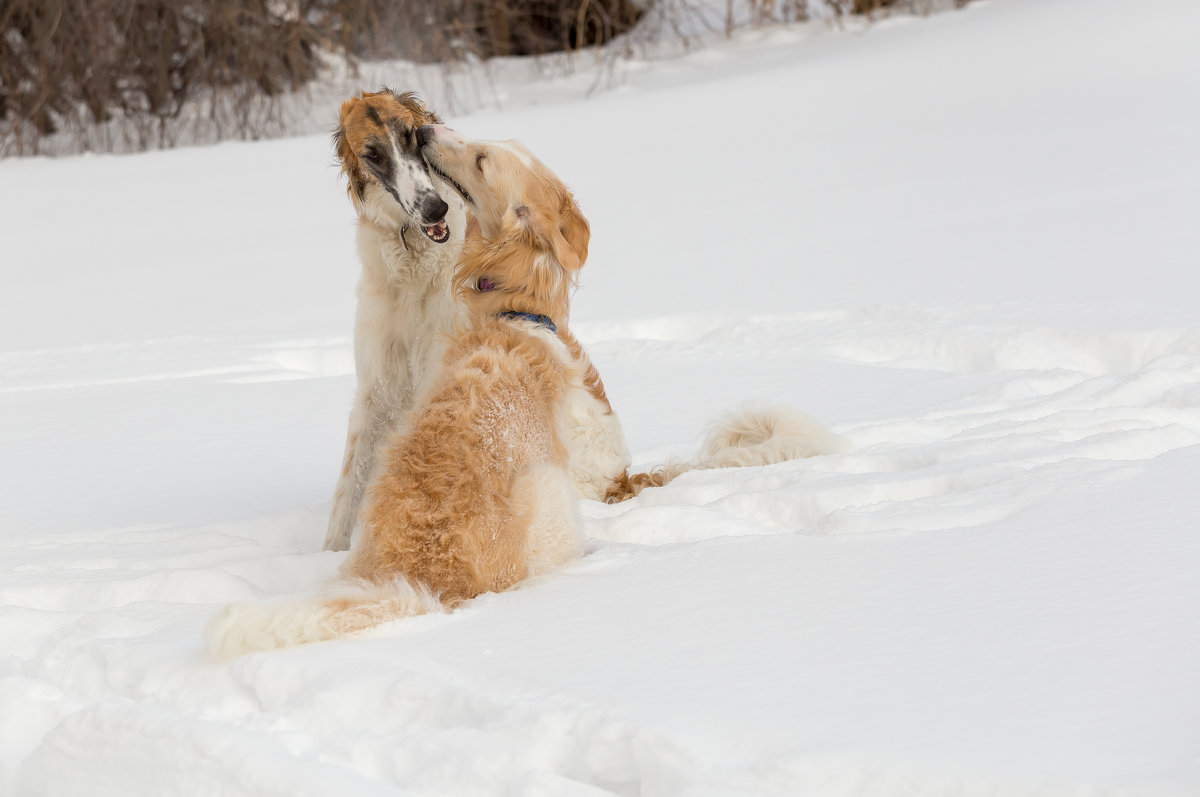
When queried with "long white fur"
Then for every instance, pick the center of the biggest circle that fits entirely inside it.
(405, 304)
(595, 442)
(345, 607)
(755, 435)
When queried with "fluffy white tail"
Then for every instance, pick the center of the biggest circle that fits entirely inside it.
(752, 435)
(348, 607)
(745, 437)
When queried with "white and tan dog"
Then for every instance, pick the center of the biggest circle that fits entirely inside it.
(478, 490)
(409, 239)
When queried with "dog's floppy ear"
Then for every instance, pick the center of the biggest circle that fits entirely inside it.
(345, 153)
(565, 235)
(575, 230)
(347, 108)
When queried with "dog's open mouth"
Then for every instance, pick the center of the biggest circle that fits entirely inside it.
(438, 232)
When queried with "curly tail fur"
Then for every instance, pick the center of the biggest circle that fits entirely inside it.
(741, 438)
(348, 607)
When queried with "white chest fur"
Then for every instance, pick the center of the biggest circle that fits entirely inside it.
(405, 307)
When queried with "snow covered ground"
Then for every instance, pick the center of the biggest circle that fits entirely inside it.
(968, 243)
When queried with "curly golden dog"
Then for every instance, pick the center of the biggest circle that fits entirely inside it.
(477, 491)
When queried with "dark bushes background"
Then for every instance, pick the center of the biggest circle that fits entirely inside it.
(427, 31)
(77, 65)
(64, 61)
(142, 58)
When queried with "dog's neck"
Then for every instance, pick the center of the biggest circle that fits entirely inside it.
(408, 234)
(407, 259)
(403, 254)
(548, 311)
(509, 276)
(543, 321)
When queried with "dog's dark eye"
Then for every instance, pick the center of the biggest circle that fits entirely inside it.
(479, 161)
(371, 155)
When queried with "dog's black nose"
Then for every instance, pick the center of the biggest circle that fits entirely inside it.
(433, 210)
(424, 134)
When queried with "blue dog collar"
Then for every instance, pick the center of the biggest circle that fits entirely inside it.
(543, 320)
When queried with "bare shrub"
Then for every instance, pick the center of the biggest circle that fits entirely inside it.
(70, 63)
(76, 64)
(773, 11)
(432, 32)
(120, 75)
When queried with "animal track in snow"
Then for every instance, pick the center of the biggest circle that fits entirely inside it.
(1061, 405)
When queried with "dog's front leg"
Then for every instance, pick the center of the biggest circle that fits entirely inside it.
(368, 422)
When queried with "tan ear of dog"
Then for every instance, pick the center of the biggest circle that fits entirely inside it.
(566, 237)
(575, 230)
(346, 156)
